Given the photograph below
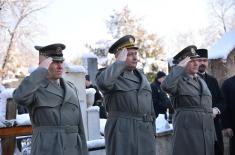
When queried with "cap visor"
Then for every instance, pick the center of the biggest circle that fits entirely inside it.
(58, 59)
(195, 56)
(133, 47)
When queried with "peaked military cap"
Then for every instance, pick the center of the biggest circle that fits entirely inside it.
(127, 41)
(189, 51)
(54, 51)
(203, 53)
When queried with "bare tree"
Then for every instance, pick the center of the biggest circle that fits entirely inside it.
(223, 13)
(222, 16)
(17, 27)
(124, 23)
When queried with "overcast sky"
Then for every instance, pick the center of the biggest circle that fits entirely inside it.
(77, 22)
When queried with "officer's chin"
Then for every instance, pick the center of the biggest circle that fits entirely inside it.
(133, 67)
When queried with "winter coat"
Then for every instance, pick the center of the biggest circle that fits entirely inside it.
(130, 126)
(193, 124)
(228, 89)
(55, 115)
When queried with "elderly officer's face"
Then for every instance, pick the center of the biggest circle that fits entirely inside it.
(203, 64)
(55, 70)
(192, 66)
(131, 59)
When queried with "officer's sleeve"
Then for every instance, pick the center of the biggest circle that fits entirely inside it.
(170, 83)
(24, 94)
(106, 78)
(82, 134)
(81, 127)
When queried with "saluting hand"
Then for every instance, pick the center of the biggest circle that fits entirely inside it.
(46, 63)
(184, 62)
(122, 55)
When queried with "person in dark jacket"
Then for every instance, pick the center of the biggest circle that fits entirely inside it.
(217, 99)
(88, 83)
(53, 105)
(228, 117)
(130, 127)
(160, 99)
(193, 125)
(98, 97)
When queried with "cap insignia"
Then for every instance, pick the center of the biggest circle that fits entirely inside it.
(193, 51)
(131, 40)
(58, 50)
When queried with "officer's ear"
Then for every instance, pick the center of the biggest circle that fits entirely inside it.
(42, 58)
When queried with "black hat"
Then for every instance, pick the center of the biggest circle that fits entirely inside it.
(203, 53)
(189, 51)
(54, 51)
(127, 41)
(87, 77)
(160, 74)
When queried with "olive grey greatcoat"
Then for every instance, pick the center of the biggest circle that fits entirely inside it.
(55, 115)
(130, 126)
(193, 124)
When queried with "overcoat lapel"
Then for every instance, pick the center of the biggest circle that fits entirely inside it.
(67, 91)
(190, 81)
(126, 75)
(50, 87)
(142, 79)
(203, 86)
(69, 95)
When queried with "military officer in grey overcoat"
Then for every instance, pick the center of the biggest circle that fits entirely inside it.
(130, 127)
(193, 125)
(53, 106)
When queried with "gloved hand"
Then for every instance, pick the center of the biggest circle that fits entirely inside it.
(184, 62)
(46, 63)
(122, 55)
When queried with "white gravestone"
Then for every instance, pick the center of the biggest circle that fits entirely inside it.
(76, 74)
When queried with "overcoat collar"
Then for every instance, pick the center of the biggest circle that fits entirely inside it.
(128, 75)
(143, 79)
(68, 91)
(139, 78)
(190, 81)
(52, 88)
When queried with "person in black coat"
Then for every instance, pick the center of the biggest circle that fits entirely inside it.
(160, 99)
(98, 97)
(228, 89)
(217, 99)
